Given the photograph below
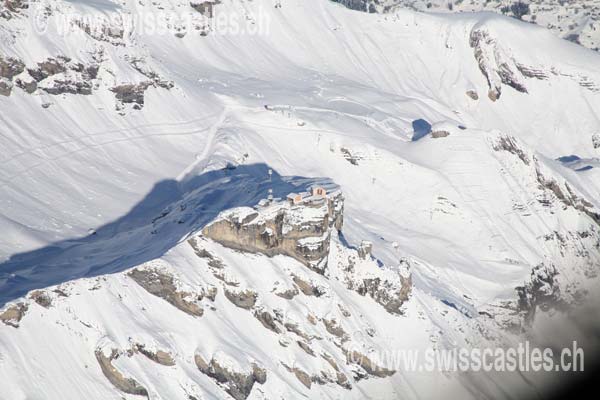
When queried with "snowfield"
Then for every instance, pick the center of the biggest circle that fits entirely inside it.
(465, 145)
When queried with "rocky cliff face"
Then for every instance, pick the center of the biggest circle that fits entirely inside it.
(304, 232)
(300, 231)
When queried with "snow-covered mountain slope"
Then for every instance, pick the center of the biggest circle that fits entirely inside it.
(574, 20)
(466, 147)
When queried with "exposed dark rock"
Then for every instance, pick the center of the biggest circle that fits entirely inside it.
(295, 328)
(541, 291)
(365, 249)
(357, 358)
(473, 94)
(28, 85)
(497, 67)
(42, 298)
(13, 7)
(509, 143)
(213, 261)
(113, 34)
(126, 385)
(288, 294)
(59, 75)
(72, 84)
(568, 197)
(344, 311)
(307, 287)
(348, 156)
(140, 66)
(159, 357)
(341, 379)
(131, 93)
(285, 232)
(386, 293)
(237, 383)
(267, 319)
(205, 8)
(49, 67)
(245, 299)
(508, 77)
(439, 134)
(386, 287)
(304, 346)
(596, 140)
(162, 285)
(333, 327)
(359, 5)
(13, 315)
(5, 87)
(530, 72)
(301, 375)
(10, 67)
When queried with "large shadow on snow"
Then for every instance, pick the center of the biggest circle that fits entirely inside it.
(421, 128)
(162, 219)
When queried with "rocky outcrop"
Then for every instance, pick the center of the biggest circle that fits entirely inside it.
(111, 31)
(131, 93)
(439, 134)
(236, 380)
(54, 76)
(126, 385)
(5, 87)
(349, 156)
(287, 294)
(307, 287)
(357, 358)
(298, 231)
(66, 82)
(267, 319)
(205, 8)
(365, 249)
(495, 64)
(245, 299)
(387, 293)
(49, 67)
(541, 291)
(565, 194)
(140, 65)
(509, 143)
(10, 67)
(42, 298)
(13, 315)
(335, 328)
(387, 287)
(26, 82)
(158, 356)
(596, 140)
(472, 94)
(340, 378)
(11, 8)
(321, 377)
(162, 285)
(300, 374)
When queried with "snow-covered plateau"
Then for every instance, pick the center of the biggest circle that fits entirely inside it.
(272, 199)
